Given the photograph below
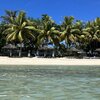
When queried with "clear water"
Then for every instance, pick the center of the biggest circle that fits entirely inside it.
(49, 83)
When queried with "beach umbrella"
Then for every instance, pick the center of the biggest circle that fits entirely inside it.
(47, 49)
(73, 50)
(98, 50)
(10, 47)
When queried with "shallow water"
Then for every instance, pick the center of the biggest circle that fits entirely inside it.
(49, 83)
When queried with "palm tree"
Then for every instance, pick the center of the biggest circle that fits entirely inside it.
(78, 32)
(2, 37)
(20, 30)
(48, 33)
(92, 34)
(97, 29)
(37, 22)
(10, 16)
(69, 31)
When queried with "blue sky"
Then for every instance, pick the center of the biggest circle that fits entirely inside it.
(57, 9)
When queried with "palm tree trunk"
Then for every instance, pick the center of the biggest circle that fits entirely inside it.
(53, 53)
(20, 50)
(29, 53)
(45, 53)
(10, 53)
(37, 53)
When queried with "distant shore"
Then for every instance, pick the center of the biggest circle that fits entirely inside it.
(47, 61)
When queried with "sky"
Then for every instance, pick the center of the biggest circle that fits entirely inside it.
(81, 9)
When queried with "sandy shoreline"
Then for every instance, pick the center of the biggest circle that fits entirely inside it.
(47, 61)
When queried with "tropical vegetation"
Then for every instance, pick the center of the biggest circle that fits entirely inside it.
(20, 30)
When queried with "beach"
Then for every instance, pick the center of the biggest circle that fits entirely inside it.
(47, 61)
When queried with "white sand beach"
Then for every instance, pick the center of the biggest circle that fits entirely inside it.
(47, 61)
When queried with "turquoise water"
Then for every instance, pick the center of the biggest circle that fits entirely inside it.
(49, 83)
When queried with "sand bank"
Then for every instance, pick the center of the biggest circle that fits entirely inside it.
(47, 61)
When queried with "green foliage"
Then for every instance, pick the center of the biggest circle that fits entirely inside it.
(17, 27)
(20, 30)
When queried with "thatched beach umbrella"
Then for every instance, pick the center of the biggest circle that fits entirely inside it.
(47, 49)
(9, 47)
(97, 50)
(73, 50)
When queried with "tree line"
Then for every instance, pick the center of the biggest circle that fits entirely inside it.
(17, 28)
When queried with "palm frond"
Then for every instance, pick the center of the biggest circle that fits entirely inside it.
(20, 36)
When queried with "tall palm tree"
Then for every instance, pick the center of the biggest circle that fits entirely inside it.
(91, 34)
(48, 33)
(20, 30)
(97, 29)
(10, 16)
(37, 22)
(69, 31)
(2, 37)
(78, 32)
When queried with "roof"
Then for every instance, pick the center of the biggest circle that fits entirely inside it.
(9, 46)
(73, 49)
(47, 47)
(98, 50)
